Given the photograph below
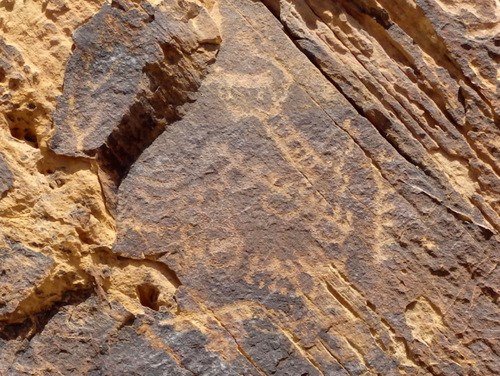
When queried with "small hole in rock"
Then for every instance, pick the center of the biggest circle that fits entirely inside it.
(21, 126)
(118, 5)
(30, 137)
(440, 272)
(148, 296)
(371, 306)
(14, 84)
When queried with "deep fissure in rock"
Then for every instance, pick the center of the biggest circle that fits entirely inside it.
(167, 86)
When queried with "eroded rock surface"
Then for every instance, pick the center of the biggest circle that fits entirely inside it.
(133, 65)
(238, 187)
(5, 176)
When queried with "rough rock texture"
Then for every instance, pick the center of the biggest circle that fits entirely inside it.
(5, 176)
(133, 65)
(244, 187)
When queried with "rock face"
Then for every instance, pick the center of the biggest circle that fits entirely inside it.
(133, 65)
(234, 187)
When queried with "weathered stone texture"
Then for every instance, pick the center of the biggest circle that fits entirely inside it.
(236, 187)
(5, 176)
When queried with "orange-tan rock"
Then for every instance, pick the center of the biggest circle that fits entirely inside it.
(233, 187)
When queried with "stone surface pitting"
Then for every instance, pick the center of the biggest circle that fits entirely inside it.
(297, 187)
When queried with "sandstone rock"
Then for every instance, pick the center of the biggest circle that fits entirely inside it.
(234, 187)
(138, 65)
(5, 176)
(17, 283)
